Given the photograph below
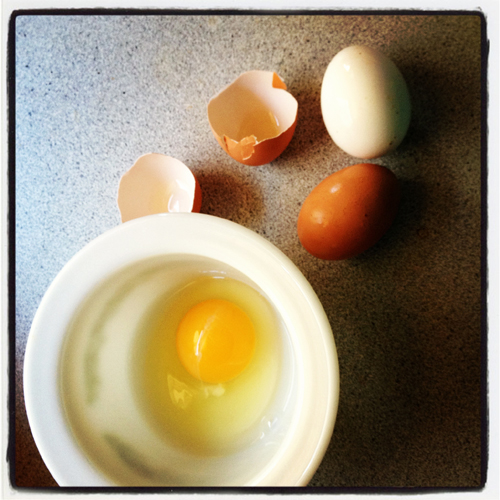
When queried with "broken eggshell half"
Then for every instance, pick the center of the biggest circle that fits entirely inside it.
(254, 118)
(157, 183)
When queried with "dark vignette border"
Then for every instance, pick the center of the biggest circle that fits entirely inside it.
(11, 116)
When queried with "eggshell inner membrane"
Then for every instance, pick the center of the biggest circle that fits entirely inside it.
(365, 102)
(255, 108)
(157, 183)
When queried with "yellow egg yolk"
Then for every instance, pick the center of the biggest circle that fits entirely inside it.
(215, 341)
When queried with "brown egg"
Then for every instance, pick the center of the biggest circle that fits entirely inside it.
(349, 211)
(157, 183)
(253, 118)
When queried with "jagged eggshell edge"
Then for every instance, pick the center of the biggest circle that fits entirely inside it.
(248, 150)
(146, 188)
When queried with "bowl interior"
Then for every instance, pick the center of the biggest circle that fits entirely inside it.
(107, 350)
(115, 283)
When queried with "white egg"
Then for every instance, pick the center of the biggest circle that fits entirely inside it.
(365, 102)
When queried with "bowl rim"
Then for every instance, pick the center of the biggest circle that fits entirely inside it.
(196, 234)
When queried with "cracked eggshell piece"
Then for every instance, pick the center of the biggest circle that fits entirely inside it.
(157, 183)
(254, 118)
(365, 102)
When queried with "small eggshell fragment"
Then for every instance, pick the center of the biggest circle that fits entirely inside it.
(349, 211)
(157, 183)
(253, 118)
(365, 102)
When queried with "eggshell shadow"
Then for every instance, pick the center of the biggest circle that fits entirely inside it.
(311, 135)
(230, 196)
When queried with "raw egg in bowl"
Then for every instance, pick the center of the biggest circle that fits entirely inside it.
(181, 350)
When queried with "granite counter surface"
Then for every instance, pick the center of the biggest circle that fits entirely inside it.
(95, 92)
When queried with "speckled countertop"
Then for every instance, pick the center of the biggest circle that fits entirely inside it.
(95, 92)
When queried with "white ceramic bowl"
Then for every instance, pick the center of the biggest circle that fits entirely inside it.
(310, 388)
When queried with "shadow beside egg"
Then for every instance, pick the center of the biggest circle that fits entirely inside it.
(310, 134)
(406, 223)
(443, 104)
(231, 197)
